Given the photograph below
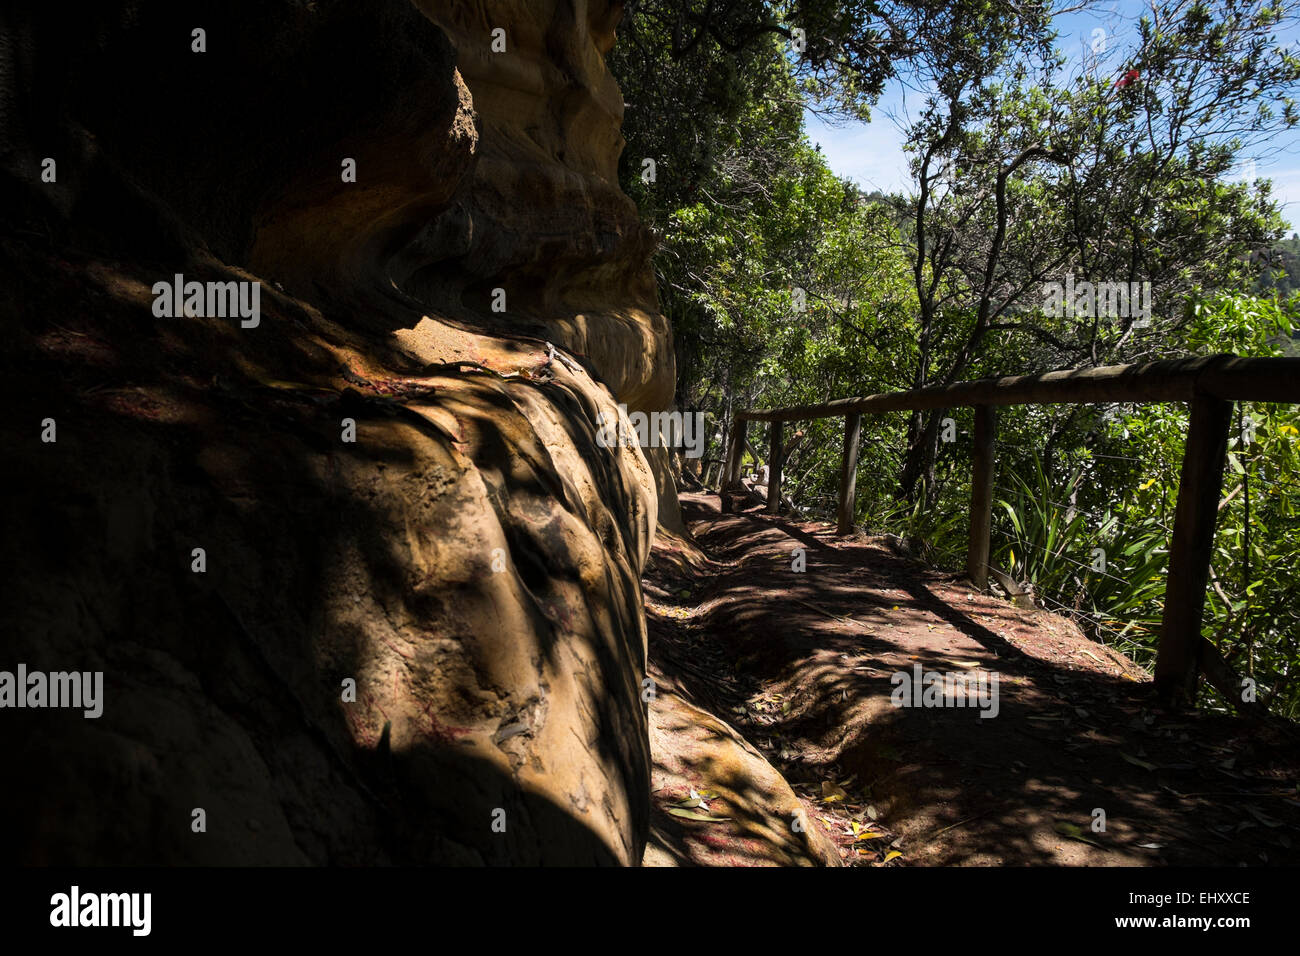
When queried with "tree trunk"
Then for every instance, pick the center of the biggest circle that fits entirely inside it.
(918, 462)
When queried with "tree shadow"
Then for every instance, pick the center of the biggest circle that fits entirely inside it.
(1021, 787)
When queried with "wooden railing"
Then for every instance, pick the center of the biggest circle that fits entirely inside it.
(1209, 386)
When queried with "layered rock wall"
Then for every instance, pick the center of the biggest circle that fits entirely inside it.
(471, 560)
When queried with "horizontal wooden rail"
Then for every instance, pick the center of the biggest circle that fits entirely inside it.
(1208, 384)
(1221, 376)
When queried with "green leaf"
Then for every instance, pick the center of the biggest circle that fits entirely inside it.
(1075, 832)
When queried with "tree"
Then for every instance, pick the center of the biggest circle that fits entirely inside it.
(715, 92)
(1115, 175)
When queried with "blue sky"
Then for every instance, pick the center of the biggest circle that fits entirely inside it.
(872, 155)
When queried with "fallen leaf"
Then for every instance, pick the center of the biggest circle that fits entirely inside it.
(832, 792)
(1074, 833)
(695, 815)
(1145, 765)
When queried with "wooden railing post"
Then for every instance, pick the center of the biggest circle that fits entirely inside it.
(1199, 486)
(774, 469)
(731, 468)
(849, 473)
(981, 497)
(731, 471)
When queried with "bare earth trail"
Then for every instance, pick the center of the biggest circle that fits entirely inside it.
(762, 673)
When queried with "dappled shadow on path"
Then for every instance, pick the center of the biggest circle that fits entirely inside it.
(803, 662)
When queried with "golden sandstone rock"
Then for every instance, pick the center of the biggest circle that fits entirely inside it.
(471, 559)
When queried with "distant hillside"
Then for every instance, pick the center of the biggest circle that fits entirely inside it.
(1282, 272)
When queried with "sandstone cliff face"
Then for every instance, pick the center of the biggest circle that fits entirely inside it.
(471, 560)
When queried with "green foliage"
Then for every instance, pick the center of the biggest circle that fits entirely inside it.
(1120, 497)
(1123, 170)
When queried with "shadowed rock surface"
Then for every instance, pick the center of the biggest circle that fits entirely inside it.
(472, 560)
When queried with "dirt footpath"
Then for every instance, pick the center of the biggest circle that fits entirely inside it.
(761, 666)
